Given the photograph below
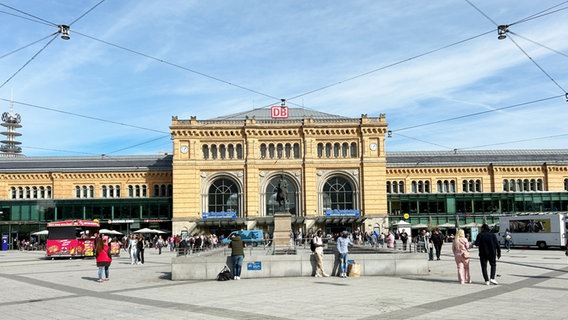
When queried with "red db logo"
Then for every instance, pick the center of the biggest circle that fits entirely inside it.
(280, 112)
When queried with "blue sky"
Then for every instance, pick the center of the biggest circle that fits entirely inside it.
(131, 65)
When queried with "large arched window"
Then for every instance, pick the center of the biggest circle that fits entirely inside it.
(272, 205)
(338, 194)
(223, 196)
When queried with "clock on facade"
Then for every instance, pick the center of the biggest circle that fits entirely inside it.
(373, 146)
(183, 149)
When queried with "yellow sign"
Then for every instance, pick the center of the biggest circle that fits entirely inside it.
(406, 216)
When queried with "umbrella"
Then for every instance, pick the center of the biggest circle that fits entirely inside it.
(447, 225)
(157, 231)
(145, 230)
(419, 226)
(111, 232)
(40, 233)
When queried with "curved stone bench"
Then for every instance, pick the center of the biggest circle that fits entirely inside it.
(301, 265)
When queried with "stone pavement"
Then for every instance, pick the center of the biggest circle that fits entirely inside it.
(532, 284)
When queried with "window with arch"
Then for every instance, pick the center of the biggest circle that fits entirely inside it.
(523, 185)
(395, 186)
(337, 150)
(272, 205)
(446, 186)
(279, 150)
(338, 194)
(471, 185)
(137, 191)
(30, 192)
(163, 190)
(84, 192)
(420, 186)
(565, 184)
(223, 196)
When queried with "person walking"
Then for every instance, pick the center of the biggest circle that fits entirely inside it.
(133, 249)
(318, 254)
(140, 246)
(489, 251)
(390, 240)
(437, 240)
(404, 239)
(237, 255)
(343, 244)
(508, 239)
(103, 258)
(460, 248)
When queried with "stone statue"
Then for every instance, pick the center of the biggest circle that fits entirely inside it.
(282, 192)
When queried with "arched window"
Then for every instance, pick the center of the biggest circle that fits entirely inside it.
(389, 187)
(401, 187)
(565, 184)
(354, 152)
(338, 194)
(279, 151)
(222, 152)
(271, 151)
(296, 151)
(328, 150)
(272, 205)
(223, 196)
(156, 190)
(263, 151)
(104, 192)
(288, 150)
(336, 150)
(239, 151)
(214, 154)
(506, 185)
(320, 150)
(205, 150)
(231, 151)
(345, 150)
(14, 192)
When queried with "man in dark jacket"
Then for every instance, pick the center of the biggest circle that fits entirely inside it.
(489, 251)
(237, 255)
(437, 240)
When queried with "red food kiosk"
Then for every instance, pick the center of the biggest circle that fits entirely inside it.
(71, 238)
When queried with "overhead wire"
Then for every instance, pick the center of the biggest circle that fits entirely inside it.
(539, 44)
(251, 90)
(87, 12)
(37, 19)
(26, 46)
(537, 65)
(29, 60)
(541, 14)
(83, 116)
(477, 113)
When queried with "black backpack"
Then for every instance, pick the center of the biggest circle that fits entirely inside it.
(225, 274)
(313, 245)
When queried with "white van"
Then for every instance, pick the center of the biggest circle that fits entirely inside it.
(541, 230)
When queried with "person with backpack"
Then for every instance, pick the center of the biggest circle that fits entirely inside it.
(317, 249)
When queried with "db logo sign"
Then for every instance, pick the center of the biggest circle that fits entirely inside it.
(280, 112)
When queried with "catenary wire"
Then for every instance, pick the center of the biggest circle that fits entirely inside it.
(539, 44)
(541, 13)
(515, 141)
(26, 18)
(37, 19)
(482, 13)
(88, 11)
(391, 65)
(28, 45)
(82, 116)
(30, 60)
(478, 113)
(537, 65)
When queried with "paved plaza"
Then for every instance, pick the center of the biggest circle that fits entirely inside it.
(532, 284)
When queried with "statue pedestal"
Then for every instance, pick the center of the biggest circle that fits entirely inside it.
(282, 228)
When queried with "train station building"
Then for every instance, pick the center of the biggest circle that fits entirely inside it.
(222, 174)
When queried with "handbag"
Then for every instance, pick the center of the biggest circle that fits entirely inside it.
(466, 254)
